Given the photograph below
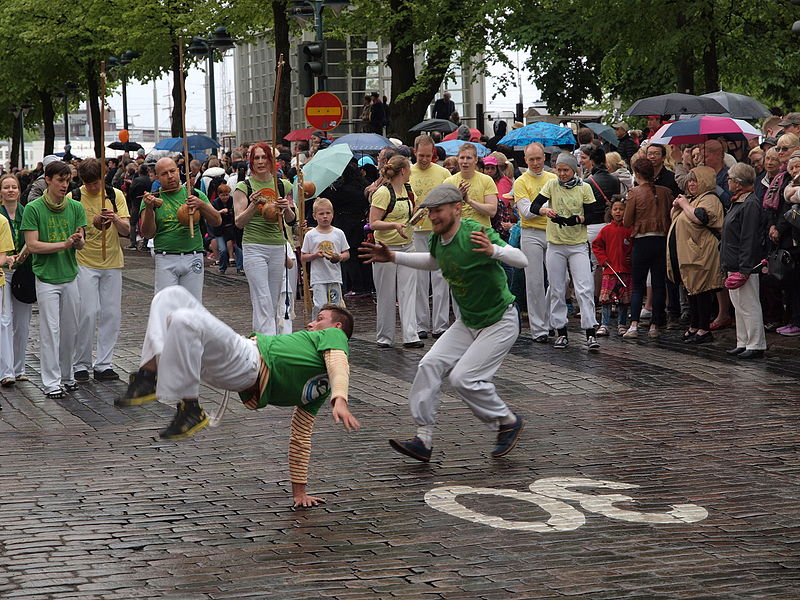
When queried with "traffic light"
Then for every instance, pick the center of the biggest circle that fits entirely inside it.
(311, 64)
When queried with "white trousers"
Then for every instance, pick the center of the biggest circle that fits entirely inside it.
(592, 231)
(749, 318)
(395, 283)
(101, 309)
(469, 359)
(325, 293)
(533, 243)
(190, 344)
(21, 316)
(560, 257)
(58, 328)
(6, 332)
(438, 320)
(288, 288)
(185, 270)
(266, 270)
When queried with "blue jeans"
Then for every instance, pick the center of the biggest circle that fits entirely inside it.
(223, 254)
(605, 314)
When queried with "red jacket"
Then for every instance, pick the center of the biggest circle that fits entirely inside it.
(613, 246)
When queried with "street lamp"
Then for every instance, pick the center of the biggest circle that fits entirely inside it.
(70, 87)
(113, 63)
(302, 10)
(201, 47)
(20, 112)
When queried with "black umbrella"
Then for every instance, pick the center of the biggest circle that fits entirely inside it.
(435, 125)
(125, 146)
(739, 106)
(676, 104)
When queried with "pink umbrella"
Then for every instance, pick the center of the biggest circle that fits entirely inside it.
(474, 135)
(700, 129)
(299, 134)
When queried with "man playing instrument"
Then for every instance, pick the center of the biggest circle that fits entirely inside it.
(303, 369)
(99, 277)
(471, 350)
(179, 256)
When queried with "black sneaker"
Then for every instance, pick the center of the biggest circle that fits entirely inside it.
(189, 419)
(415, 448)
(507, 437)
(542, 339)
(104, 375)
(423, 335)
(81, 375)
(141, 389)
(417, 344)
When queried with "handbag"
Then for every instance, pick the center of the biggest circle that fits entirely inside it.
(780, 264)
(514, 235)
(792, 216)
(23, 282)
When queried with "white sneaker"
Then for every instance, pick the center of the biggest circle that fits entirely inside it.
(591, 342)
(631, 334)
(602, 331)
(646, 314)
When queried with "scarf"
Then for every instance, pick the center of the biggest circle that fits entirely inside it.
(772, 198)
(53, 206)
(571, 183)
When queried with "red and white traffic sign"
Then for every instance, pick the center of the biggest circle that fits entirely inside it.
(324, 111)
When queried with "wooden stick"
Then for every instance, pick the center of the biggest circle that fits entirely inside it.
(306, 267)
(102, 154)
(185, 135)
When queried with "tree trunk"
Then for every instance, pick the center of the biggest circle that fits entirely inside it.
(93, 79)
(710, 57)
(48, 116)
(685, 75)
(177, 109)
(15, 137)
(281, 28)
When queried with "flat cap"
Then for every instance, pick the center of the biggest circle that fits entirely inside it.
(790, 119)
(445, 193)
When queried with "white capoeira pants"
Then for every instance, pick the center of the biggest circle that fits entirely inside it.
(749, 318)
(58, 329)
(185, 270)
(437, 319)
(21, 318)
(265, 267)
(576, 258)
(469, 359)
(288, 288)
(395, 283)
(6, 332)
(100, 309)
(190, 344)
(533, 243)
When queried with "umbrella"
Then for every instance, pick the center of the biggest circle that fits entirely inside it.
(739, 106)
(451, 147)
(700, 129)
(474, 135)
(546, 134)
(364, 142)
(604, 132)
(435, 125)
(675, 104)
(196, 143)
(325, 167)
(299, 134)
(126, 146)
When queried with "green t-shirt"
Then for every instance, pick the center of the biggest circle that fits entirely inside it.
(297, 372)
(478, 282)
(59, 267)
(171, 236)
(259, 230)
(567, 202)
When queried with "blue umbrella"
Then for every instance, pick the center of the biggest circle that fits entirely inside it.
(364, 142)
(325, 167)
(604, 132)
(451, 147)
(196, 143)
(546, 134)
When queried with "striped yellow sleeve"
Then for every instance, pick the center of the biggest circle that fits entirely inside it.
(338, 372)
(300, 445)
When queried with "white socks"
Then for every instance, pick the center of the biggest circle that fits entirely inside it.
(425, 433)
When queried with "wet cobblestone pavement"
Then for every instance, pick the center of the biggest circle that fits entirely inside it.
(647, 470)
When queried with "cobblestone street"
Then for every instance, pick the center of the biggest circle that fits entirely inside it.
(95, 505)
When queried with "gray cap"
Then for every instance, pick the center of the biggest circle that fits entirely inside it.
(790, 119)
(445, 193)
(569, 160)
(50, 158)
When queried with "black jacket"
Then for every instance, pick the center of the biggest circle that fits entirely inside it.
(743, 236)
(627, 148)
(609, 185)
(666, 178)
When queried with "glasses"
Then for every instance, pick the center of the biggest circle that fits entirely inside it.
(783, 148)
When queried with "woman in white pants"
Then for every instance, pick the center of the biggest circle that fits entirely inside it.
(566, 247)
(389, 215)
(263, 241)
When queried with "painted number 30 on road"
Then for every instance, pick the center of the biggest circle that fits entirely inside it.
(548, 494)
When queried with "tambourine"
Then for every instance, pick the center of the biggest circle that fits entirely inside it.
(183, 215)
(418, 215)
(326, 249)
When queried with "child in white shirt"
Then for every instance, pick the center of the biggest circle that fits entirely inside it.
(325, 247)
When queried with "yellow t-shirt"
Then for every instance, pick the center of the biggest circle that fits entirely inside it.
(480, 186)
(422, 182)
(6, 244)
(92, 256)
(401, 213)
(567, 202)
(528, 186)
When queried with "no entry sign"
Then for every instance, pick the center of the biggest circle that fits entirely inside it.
(324, 111)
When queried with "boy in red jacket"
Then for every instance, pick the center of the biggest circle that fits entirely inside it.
(612, 247)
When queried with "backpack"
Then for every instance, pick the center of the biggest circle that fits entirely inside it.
(211, 190)
(392, 203)
(110, 194)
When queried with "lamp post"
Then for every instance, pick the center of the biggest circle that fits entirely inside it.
(201, 47)
(69, 88)
(115, 62)
(303, 9)
(20, 112)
